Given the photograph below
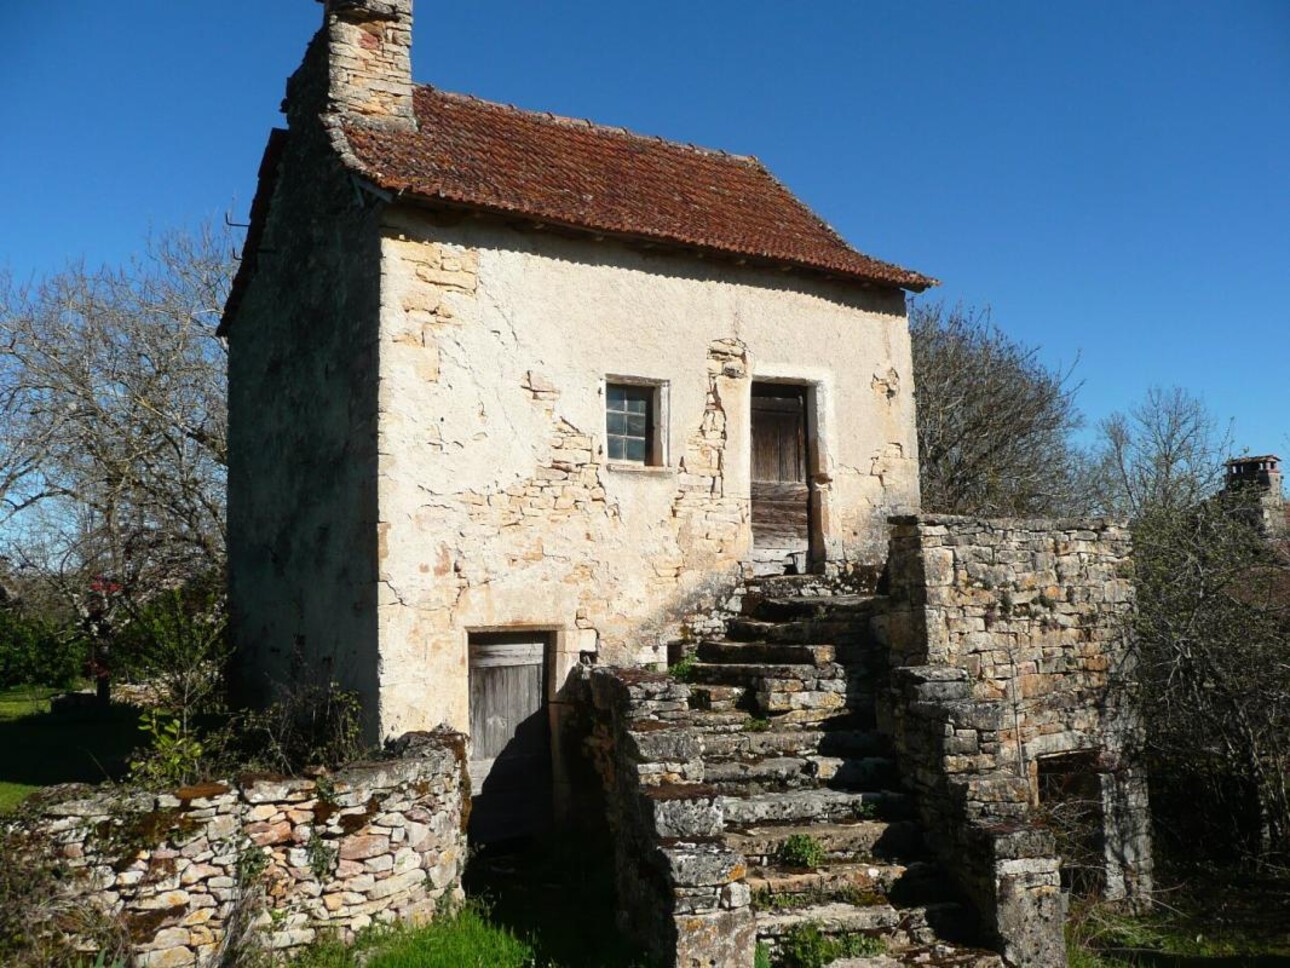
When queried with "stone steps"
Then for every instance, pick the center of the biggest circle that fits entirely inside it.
(782, 721)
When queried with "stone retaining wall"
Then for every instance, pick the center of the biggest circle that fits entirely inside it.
(1008, 642)
(288, 857)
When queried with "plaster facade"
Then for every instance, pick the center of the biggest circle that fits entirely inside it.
(498, 507)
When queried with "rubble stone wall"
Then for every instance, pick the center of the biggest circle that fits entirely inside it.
(298, 856)
(681, 891)
(1008, 645)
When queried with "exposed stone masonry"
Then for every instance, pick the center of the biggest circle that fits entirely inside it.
(1008, 644)
(337, 852)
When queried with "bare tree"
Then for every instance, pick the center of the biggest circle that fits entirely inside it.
(994, 423)
(1165, 452)
(112, 424)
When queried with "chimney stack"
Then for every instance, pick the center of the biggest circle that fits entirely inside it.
(365, 50)
(1262, 475)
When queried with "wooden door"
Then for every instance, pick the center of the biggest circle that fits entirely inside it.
(781, 495)
(510, 760)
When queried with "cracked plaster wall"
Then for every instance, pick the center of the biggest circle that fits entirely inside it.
(497, 508)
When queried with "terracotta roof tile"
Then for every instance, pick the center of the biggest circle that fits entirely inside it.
(584, 176)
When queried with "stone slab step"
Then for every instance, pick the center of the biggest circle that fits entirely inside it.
(855, 773)
(789, 608)
(754, 673)
(759, 740)
(776, 771)
(945, 923)
(777, 653)
(851, 840)
(929, 955)
(820, 805)
(717, 698)
(855, 883)
(851, 638)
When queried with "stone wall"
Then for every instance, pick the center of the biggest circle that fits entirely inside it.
(681, 891)
(1008, 646)
(293, 857)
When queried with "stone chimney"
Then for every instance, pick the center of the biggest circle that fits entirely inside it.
(359, 64)
(1262, 475)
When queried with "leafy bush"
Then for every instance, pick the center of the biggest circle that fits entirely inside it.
(36, 651)
(800, 850)
(175, 756)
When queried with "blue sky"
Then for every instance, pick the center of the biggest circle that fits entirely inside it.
(1113, 179)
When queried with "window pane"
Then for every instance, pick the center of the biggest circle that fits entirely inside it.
(617, 448)
(616, 423)
(636, 448)
(638, 402)
(636, 424)
(615, 394)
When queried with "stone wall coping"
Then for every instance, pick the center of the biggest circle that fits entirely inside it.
(1005, 524)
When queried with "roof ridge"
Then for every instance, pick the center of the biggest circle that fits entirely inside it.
(610, 129)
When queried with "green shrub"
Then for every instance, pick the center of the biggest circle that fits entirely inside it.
(173, 756)
(801, 850)
(762, 958)
(683, 669)
(806, 946)
(35, 651)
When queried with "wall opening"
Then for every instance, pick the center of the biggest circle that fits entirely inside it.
(1070, 800)
(510, 732)
(780, 489)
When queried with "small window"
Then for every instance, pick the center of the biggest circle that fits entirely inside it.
(633, 414)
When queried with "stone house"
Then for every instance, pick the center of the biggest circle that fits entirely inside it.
(513, 389)
(519, 402)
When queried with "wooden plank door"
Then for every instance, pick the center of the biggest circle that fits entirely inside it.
(781, 495)
(510, 760)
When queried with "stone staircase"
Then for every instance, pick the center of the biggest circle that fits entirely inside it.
(784, 707)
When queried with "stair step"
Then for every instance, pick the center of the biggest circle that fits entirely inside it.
(854, 840)
(753, 673)
(759, 740)
(781, 771)
(789, 608)
(931, 955)
(717, 698)
(775, 653)
(904, 927)
(917, 884)
(779, 888)
(845, 633)
(856, 773)
(819, 805)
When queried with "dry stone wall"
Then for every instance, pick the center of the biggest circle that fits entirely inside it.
(297, 856)
(1008, 642)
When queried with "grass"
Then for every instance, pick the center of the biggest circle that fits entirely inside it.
(466, 939)
(38, 749)
(1216, 924)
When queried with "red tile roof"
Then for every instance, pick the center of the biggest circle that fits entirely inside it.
(609, 181)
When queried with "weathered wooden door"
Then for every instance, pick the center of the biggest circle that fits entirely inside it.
(510, 761)
(781, 495)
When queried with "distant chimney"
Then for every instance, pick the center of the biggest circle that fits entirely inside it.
(1262, 476)
(359, 64)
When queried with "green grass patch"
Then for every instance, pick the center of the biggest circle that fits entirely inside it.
(806, 946)
(466, 939)
(683, 669)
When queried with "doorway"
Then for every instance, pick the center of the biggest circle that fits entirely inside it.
(510, 760)
(780, 486)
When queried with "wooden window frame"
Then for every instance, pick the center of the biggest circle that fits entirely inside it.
(656, 413)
